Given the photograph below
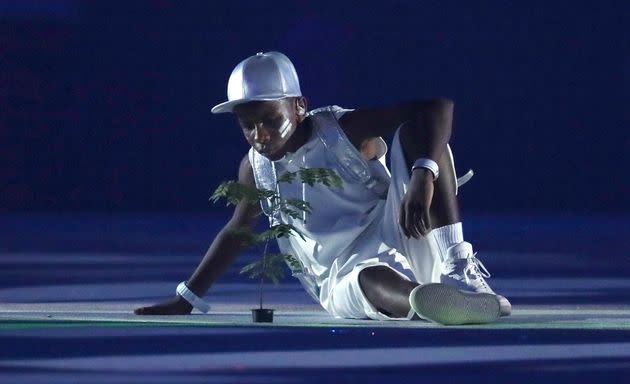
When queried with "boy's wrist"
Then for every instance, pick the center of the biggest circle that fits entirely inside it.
(426, 164)
(192, 298)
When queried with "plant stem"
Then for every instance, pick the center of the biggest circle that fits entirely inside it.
(260, 289)
(262, 275)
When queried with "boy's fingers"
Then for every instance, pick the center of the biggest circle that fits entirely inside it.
(401, 220)
(417, 224)
(425, 223)
(409, 217)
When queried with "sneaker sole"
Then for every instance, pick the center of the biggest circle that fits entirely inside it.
(506, 307)
(447, 305)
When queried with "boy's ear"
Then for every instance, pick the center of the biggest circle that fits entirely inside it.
(300, 106)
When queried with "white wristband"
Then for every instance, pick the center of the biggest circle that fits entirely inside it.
(193, 299)
(428, 164)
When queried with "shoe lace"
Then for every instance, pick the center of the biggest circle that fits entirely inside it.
(475, 268)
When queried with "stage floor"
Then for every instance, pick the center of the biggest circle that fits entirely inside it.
(68, 286)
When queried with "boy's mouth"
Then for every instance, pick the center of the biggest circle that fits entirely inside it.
(266, 150)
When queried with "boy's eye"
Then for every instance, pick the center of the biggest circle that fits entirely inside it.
(269, 122)
(272, 121)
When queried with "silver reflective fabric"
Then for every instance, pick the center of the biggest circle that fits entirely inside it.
(344, 226)
(265, 177)
(264, 76)
(345, 159)
(350, 162)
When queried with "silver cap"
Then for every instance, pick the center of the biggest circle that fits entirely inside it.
(264, 76)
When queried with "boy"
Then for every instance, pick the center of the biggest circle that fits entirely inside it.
(387, 245)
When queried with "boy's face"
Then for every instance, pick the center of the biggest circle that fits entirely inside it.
(268, 125)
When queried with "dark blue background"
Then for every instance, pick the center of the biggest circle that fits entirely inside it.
(105, 106)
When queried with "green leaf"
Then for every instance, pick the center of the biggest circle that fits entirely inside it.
(291, 213)
(287, 177)
(293, 262)
(299, 204)
(276, 231)
(235, 192)
(274, 273)
(271, 267)
(245, 234)
(253, 270)
(275, 259)
(312, 176)
(326, 176)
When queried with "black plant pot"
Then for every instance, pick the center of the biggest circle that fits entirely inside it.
(262, 315)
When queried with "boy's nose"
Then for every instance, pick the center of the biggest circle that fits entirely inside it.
(261, 135)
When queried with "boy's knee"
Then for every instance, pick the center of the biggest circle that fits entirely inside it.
(369, 276)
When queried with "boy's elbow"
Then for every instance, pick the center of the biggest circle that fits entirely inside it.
(443, 105)
(437, 107)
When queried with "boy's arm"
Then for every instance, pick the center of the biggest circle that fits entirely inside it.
(428, 128)
(425, 134)
(227, 245)
(224, 249)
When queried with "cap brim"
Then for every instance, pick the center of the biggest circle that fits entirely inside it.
(228, 106)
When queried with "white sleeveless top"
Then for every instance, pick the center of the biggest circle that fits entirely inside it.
(343, 226)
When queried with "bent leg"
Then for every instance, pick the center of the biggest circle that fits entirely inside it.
(395, 296)
(379, 293)
(444, 208)
(459, 266)
(423, 258)
(387, 290)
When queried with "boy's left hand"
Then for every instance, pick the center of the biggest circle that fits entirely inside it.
(414, 218)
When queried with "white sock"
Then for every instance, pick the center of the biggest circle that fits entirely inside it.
(447, 236)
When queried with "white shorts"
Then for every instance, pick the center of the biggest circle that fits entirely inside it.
(347, 299)
(413, 259)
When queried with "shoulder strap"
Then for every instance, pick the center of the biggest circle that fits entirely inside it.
(265, 177)
(350, 162)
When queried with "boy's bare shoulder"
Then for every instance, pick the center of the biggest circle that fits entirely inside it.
(245, 214)
(246, 172)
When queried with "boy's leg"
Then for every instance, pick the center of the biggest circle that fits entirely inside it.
(444, 206)
(387, 290)
(454, 262)
(394, 296)
(461, 268)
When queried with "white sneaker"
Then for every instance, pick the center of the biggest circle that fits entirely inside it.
(462, 270)
(447, 305)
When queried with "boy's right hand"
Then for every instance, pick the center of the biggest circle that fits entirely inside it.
(174, 306)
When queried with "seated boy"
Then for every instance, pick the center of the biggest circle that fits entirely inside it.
(389, 244)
